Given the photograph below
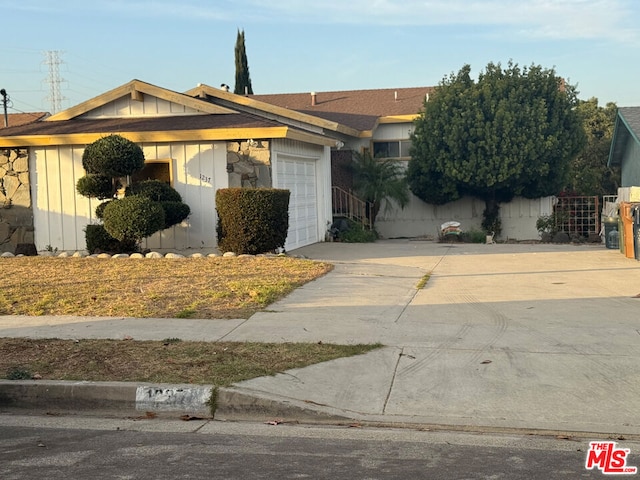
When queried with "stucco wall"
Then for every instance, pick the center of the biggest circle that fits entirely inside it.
(421, 219)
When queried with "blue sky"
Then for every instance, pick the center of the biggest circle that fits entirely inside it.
(306, 45)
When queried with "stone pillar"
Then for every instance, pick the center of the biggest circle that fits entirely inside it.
(16, 213)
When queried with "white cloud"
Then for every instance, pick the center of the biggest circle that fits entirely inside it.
(557, 19)
(614, 19)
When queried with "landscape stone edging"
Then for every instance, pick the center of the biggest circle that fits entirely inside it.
(82, 254)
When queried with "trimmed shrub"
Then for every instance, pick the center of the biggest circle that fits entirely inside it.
(98, 241)
(252, 220)
(113, 156)
(100, 209)
(154, 190)
(174, 212)
(355, 233)
(95, 185)
(133, 218)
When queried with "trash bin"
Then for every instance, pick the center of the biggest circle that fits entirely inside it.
(610, 225)
(636, 231)
(626, 235)
(613, 239)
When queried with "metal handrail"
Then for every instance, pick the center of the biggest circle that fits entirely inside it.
(346, 204)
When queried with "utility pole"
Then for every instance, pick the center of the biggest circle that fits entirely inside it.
(54, 80)
(3, 92)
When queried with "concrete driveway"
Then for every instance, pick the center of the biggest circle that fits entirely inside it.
(515, 336)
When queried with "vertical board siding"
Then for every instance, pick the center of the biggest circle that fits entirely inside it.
(126, 107)
(61, 214)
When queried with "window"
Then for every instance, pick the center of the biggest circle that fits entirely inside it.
(393, 149)
(155, 170)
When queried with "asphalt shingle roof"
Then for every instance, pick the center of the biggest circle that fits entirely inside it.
(140, 124)
(359, 109)
(17, 119)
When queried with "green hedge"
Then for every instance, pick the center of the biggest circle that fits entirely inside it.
(252, 220)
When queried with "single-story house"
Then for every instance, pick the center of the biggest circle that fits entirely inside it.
(208, 138)
(625, 146)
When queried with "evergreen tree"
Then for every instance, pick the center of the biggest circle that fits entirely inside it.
(243, 79)
(513, 132)
(589, 172)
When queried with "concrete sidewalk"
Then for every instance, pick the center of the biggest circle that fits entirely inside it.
(539, 337)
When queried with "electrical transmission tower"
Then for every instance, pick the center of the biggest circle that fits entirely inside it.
(52, 59)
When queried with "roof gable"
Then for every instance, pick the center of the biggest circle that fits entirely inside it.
(137, 98)
(626, 129)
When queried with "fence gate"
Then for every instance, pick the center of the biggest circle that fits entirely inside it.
(578, 216)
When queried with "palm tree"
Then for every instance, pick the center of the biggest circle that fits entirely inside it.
(378, 179)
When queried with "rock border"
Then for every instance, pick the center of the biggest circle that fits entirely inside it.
(153, 254)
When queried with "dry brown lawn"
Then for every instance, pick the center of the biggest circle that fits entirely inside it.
(150, 288)
(168, 361)
(155, 288)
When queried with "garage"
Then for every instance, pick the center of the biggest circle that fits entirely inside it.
(298, 175)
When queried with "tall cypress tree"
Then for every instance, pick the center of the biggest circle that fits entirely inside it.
(243, 80)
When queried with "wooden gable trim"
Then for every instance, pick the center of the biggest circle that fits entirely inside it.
(204, 91)
(204, 135)
(136, 89)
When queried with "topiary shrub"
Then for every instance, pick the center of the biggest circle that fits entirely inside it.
(95, 185)
(99, 241)
(252, 220)
(133, 218)
(113, 156)
(100, 209)
(174, 212)
(107, 160)
(154, 190)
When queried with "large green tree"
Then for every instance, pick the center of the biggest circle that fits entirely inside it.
(243, 79)
(513, 132)
(589, 173)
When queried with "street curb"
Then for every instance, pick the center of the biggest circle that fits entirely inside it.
(115, 397)
(129, 398)
(240, 404)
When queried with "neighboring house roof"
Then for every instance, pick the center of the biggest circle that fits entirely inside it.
(359, 109)
(16, 119)
(627, 128)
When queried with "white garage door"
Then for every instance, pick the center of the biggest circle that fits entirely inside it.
(299, 176)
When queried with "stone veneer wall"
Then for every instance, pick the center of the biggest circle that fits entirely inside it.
(16, 213)
(249, 164)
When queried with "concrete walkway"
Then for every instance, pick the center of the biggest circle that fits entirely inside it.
(542, 337)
